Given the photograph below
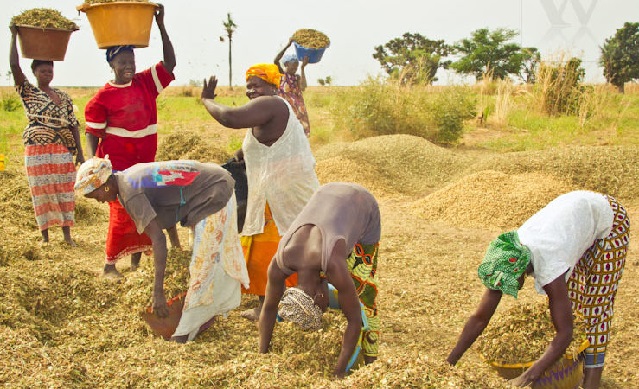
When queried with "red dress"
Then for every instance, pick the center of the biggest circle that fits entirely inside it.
(124, 117)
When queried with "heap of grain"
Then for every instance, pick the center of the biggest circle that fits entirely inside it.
(610, 169)
(184, 145)
(490, 199)
(311, 39)
(43, 18)
(390, 164)
(522, 334)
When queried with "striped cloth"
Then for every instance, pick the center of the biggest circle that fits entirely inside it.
(51, 175)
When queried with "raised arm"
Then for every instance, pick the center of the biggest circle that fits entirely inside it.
(167, 46)
(268, 316)
(475, 324)
(561, 314)
(279, 55)
(257, 112)
(303, 74)
(14, 60)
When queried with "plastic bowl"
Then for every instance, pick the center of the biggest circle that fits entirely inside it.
(314, 55)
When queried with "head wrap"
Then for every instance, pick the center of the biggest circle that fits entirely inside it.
(289, 58)
(268, 72)
(298, 307)
(92, 174)
(505, 261)
(37, 62)
(112, 51)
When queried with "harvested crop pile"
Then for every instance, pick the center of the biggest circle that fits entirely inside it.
(18, 217)
(43, 18)
(610, 169)
(490, 199)
(311, 39)
(189, 146)
(523, 333)
(390, 164)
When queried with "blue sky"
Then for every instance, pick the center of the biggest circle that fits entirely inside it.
(556, 27)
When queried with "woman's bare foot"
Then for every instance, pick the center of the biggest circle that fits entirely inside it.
(251, 314)
(66, 231)
(111, 272)
(70, 242)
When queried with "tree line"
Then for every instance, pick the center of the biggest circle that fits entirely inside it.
(414, 59)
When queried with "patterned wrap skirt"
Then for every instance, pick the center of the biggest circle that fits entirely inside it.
(51, 175)
(592, 286)
(216, 272)
(362, 264)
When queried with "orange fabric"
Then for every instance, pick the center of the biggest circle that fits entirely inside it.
(266, 71)
(259, 250)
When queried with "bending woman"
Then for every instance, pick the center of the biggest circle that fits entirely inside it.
(159, 195)
(335, 239)
(51, 139)
(575, 248)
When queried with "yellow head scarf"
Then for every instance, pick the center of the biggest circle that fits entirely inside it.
(268, 72)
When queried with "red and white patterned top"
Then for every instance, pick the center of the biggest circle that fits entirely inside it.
(124, 117)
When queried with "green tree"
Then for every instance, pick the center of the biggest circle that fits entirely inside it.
(230, 27)
(489, 53)
(620, 56)
(413, 58)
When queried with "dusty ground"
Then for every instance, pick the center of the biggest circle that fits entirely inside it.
(62, 326)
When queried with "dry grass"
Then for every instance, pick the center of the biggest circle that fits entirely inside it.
(62, 326)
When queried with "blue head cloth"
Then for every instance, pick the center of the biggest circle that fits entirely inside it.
(112, 51)
(289, 57)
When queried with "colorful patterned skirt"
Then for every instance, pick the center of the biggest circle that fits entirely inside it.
(122, 237)
(592, 286)
(51, 175)
(362, 264)
(216, 271)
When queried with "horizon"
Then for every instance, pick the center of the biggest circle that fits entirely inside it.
(556, 27)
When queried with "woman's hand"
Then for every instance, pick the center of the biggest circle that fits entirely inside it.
(160, 307)
(522, 380)
(13, 29)
(79, 159)
(159, 14)
(208, 90)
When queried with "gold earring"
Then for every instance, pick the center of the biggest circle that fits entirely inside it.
(106, 188)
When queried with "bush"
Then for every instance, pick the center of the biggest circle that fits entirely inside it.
(559, 87)
(450, 108)
(379, 107)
